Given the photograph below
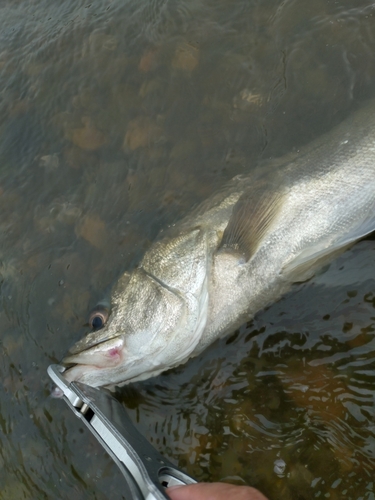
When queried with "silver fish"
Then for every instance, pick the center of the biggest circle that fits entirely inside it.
(238, 252)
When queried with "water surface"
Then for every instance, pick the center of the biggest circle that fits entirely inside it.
(116, 118)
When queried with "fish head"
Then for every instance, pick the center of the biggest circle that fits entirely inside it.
(157, 315)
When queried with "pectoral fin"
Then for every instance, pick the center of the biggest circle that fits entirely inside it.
(250, 221)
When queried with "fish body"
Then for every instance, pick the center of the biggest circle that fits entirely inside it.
(237, 252)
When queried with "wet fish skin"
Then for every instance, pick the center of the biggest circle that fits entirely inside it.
(238, 252)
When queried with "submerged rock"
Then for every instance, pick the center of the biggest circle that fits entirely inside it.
(186, 57)
(92, 229)
(141, 132)
(88, 137)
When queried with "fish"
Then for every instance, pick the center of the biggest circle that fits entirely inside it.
(235, 254)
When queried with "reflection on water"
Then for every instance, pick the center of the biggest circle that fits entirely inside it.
(115, 119)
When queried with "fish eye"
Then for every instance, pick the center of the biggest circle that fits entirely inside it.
(98, 317)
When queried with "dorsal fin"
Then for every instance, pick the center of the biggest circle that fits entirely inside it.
(250, 221)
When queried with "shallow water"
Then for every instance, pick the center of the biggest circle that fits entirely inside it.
(115, 119)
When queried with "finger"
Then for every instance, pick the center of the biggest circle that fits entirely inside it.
(214, 491)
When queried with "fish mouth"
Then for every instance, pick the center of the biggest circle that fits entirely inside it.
(96, 352)
(102, 363)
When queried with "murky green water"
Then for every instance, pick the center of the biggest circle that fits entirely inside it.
(116, 117)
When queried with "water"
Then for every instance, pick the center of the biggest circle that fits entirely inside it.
(115, 119)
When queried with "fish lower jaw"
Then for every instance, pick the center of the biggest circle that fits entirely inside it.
(96, 376)
(78, 373)
(88, 365)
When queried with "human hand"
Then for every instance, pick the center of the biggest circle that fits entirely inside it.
(214, 491)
